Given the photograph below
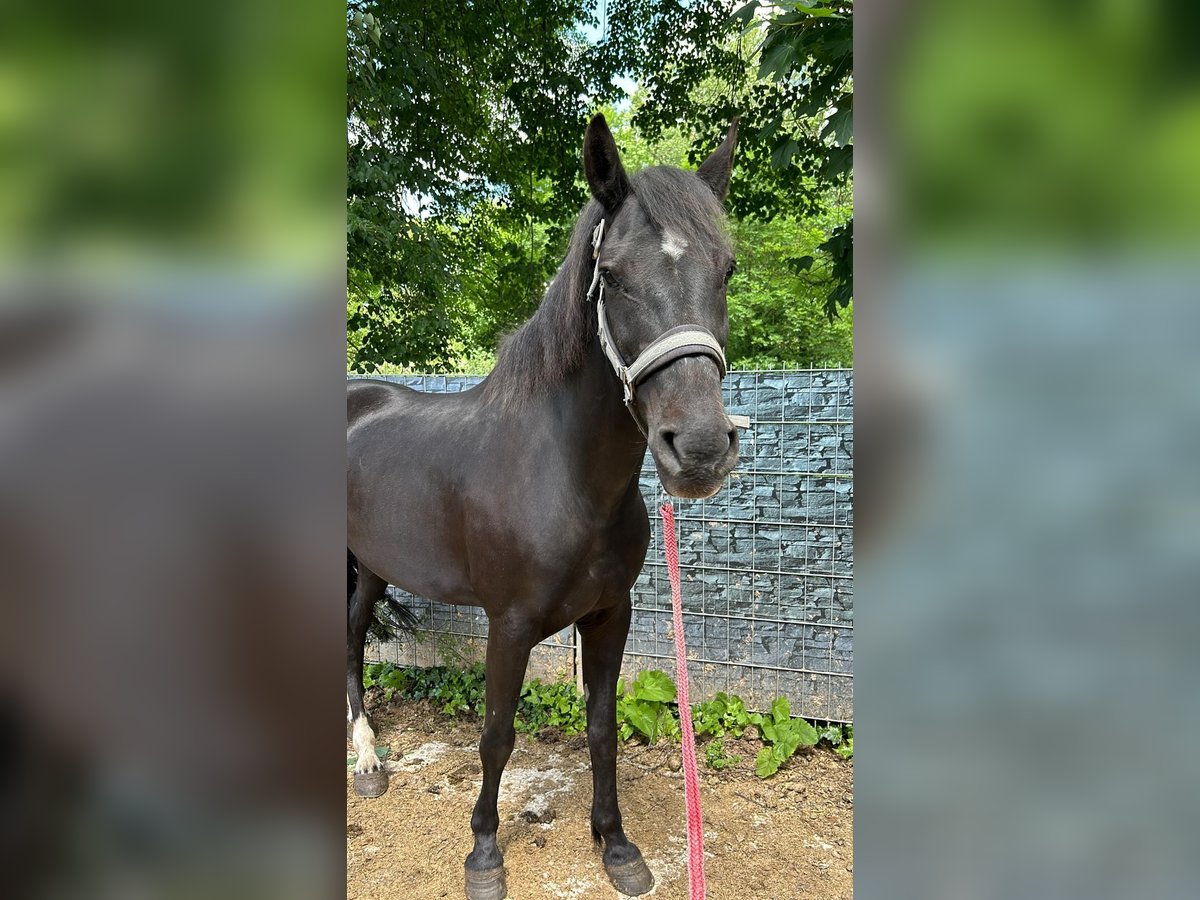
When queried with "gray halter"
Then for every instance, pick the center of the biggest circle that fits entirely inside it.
(673, 344)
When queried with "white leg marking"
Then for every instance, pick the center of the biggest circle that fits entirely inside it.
(673, 245)
(364, 746)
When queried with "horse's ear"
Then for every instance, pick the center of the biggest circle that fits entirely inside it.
(602, 165)
(715, 170)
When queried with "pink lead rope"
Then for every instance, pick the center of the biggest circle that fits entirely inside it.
(691, 781)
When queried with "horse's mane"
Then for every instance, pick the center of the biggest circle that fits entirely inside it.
(552, 345)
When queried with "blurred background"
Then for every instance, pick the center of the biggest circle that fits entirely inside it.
(1028, 209)
(172, 235)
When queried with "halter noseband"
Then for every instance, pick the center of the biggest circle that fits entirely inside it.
(673, 344)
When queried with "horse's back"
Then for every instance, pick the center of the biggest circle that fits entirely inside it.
(365, 396)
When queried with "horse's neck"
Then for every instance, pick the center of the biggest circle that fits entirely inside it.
(605, 436)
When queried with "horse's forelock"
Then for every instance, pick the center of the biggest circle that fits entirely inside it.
(678, 202)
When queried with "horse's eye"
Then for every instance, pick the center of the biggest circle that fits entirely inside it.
(608, 278)
(729, 272)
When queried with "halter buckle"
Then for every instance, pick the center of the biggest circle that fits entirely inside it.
(597, 240)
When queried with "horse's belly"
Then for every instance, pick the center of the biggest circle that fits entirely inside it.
(411, 544)
(428, 577)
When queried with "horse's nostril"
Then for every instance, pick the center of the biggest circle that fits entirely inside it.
(669, 439)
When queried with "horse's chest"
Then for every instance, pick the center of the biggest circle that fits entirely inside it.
(613, 560)
(566, 567)
(612, 569)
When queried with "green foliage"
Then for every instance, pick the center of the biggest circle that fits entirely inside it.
(717, 758)
(846, 748)
(454, 689)
(783, 735)
(776, 297)
(724, 713)
(463, 174)
(840, 738)
(463, 133)
(831, 735)
(554, 705)
(392, 680)
(644, 707)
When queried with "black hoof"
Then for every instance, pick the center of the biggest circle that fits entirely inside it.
(486, 884)
(370, 784)
(631, 878)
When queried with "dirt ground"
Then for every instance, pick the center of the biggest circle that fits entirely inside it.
(785, 838)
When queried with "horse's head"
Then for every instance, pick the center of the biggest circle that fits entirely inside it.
(664, 261)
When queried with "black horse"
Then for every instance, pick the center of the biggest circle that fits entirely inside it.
(521, 495)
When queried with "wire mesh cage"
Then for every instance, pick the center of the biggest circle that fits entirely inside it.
(767, 564)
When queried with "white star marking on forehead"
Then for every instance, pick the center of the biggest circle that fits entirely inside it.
(673, 245)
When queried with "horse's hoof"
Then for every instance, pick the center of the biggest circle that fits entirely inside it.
(631, 878)
(486, 884)
(370, 784)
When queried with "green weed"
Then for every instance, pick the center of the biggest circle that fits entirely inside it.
(646, 708)
(553, 705)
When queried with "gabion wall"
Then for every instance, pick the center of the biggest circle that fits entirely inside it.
(767, 564)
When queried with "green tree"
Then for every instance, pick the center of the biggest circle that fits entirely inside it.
(787, 68)
(463, 161)
(446, 111)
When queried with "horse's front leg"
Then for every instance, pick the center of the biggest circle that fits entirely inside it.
(507, 656)
(603, 637)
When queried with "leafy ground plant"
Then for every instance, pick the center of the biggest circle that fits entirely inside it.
(723, 714)
(553, 705)
(840, 739)
(783, 736)
(455, 690)
(717, 757)
(643, 707)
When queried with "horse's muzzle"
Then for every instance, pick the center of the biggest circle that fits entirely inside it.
(693, 459)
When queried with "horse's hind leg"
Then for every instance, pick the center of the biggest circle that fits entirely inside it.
(603, 636)
(507, 656)
(370, 778)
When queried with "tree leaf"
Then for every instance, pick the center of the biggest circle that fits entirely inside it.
(782, 155)
(745, 13)
(777, 59)
(840, 126)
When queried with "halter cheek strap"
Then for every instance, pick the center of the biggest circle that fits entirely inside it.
(673, 344)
